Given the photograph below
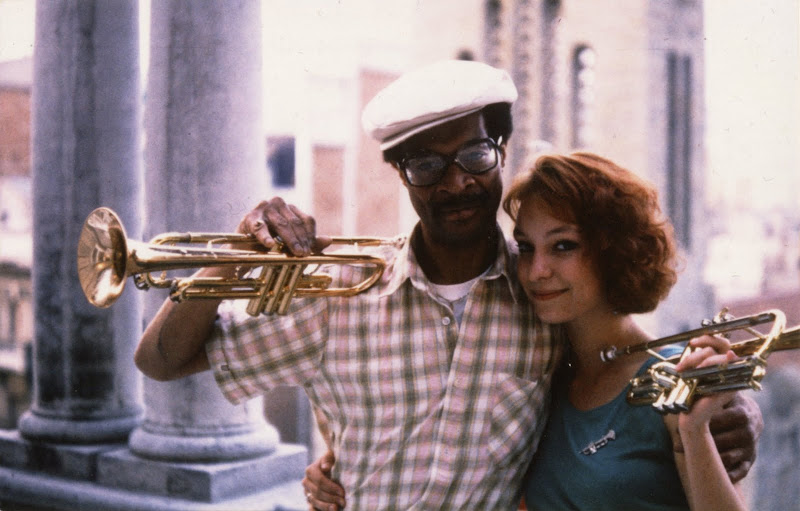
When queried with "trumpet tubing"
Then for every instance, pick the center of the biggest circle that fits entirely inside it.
(106, 258)
(670, 391)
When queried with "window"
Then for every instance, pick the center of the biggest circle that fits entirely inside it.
(679, 145)
(583, 76)
(280, 161)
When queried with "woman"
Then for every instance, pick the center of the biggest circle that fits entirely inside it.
(594, 250)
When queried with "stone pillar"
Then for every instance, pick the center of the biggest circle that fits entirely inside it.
(494, 38)
(205, 161)
(523, 59)
(549, 72)
(206, 168)
(85, 154)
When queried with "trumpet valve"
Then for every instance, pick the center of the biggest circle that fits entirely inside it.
(179, 289)
(141, 281)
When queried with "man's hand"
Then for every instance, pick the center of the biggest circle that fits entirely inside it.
(274, 218)
(736, 430)
(321, 491)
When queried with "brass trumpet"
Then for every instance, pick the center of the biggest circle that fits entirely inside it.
(669, 391)
(106, 258)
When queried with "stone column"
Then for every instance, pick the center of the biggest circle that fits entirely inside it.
(85, 154)
(205, 161)
(494, 41)
(523, 59)
(549, 72)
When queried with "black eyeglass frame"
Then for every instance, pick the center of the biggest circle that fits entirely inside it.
(449, 159)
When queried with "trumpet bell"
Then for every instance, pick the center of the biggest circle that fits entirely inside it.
(102, 257)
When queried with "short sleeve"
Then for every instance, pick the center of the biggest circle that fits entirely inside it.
(249, 355)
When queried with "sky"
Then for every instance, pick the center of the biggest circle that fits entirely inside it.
(753, 101)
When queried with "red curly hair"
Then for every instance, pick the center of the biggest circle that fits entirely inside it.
(629, 241)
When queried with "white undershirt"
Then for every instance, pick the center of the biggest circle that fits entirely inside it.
(456, 294)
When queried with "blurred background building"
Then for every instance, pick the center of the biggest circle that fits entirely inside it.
(701, 98)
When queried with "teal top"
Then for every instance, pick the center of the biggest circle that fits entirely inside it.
(614, 457)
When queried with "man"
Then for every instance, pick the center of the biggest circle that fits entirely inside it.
(434, 382)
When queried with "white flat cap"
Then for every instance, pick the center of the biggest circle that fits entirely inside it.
(433, 95)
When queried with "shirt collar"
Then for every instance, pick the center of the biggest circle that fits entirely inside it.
(406, 267)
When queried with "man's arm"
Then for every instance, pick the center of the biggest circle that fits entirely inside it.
(173, 344)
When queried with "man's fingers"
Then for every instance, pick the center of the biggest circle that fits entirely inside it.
(294, 228)
(326, 462)
(321, 243)
(735, 430)
(737, 472)
(259, 229)
(320, 486)
(275, 219)
(325, 490)
(316, 498)
(733, 457)
(740, 413)
(318, 504)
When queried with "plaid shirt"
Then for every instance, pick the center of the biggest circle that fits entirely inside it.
(425, 413)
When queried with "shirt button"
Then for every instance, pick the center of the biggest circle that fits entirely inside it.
(445, 320)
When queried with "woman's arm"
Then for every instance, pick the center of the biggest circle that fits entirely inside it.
(704, 477)
(710, 488)
(737, 426)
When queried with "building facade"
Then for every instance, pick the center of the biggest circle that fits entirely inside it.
(16, 296)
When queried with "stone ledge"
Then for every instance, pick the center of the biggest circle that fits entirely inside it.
(43, 492)
(108, 476)
(203, 482)
(62, 460)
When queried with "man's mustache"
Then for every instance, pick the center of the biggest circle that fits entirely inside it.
(461, 201)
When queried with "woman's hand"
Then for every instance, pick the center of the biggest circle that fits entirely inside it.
(705, 347)
(736, 421)
(703, 409)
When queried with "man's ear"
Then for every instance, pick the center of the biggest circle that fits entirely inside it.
(502, 149)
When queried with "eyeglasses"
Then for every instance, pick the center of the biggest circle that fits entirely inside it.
(427, 168)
